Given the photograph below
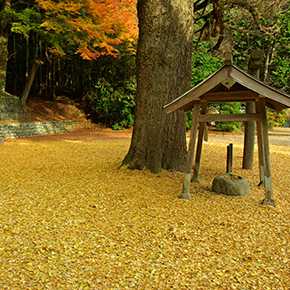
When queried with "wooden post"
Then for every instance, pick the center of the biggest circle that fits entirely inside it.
(269, 199)
(260, 149)
(205, 132)
(186, 183)
(228, 58)
(230, 158)
(202, 125)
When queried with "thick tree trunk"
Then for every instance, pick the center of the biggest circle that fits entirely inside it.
(164, 66)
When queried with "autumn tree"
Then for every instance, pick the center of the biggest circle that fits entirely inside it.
(87, 28)
(90, 28)
(163, 73)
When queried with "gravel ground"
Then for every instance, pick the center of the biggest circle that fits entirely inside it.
(277, 136)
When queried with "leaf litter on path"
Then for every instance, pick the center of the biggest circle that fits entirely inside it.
(70, 218)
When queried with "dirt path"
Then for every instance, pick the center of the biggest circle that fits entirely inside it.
(277, 136)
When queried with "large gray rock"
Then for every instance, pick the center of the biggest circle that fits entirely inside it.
(230, 184)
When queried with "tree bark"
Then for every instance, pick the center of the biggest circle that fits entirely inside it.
(53, 97)
(250, 126)
(4, 31)
(164, 67)
(35, 65)
(269, 55)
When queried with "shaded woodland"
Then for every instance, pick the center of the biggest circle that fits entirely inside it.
(76, 50)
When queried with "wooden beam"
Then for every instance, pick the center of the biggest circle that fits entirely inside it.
(238, 96)
(260, 149)
(195, 177)
(228, 117)
(269, 199)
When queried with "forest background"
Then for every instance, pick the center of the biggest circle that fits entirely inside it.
(85, 50)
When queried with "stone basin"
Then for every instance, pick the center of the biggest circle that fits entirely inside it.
(230, 184)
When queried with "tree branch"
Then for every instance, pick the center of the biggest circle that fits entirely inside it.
(199, 6)
(254, 12)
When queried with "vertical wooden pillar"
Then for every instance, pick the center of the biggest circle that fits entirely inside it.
(230, 158)
(186, 183)
(269, 199)
(202, 125)
(205, 132)
(260, 148)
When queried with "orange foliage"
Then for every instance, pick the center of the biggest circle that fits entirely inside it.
(96, 26)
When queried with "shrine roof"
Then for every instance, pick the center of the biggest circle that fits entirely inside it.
(230, 84)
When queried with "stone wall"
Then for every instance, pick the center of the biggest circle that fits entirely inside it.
(30, 129)
(9, 107)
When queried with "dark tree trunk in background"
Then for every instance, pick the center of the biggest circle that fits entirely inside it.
(4, 31)
(164, 67)
(3, 57)
(269, 54)
(35, 65)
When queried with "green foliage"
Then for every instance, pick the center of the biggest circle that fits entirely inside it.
(114, 106)
(188, 119)
(229, 108)
(276, 119)
(29, 19)
(244, 36)
(203, 65)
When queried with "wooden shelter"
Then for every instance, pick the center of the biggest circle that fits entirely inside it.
(230, 84)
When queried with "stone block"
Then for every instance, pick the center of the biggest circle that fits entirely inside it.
(230, 184)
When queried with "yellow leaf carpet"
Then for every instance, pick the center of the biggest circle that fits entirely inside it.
(70, 218)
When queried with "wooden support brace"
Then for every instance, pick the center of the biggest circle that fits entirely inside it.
(269, 199)
(186, 183)
(260, 149)
(202, 126)
(228, 117)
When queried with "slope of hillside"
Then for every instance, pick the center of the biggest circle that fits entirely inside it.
(63, 109)
(60, 109)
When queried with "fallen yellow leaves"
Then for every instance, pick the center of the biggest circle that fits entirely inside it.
(71, 219)
(232, 176)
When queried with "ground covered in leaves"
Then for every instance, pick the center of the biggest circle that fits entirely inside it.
(70, 218)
